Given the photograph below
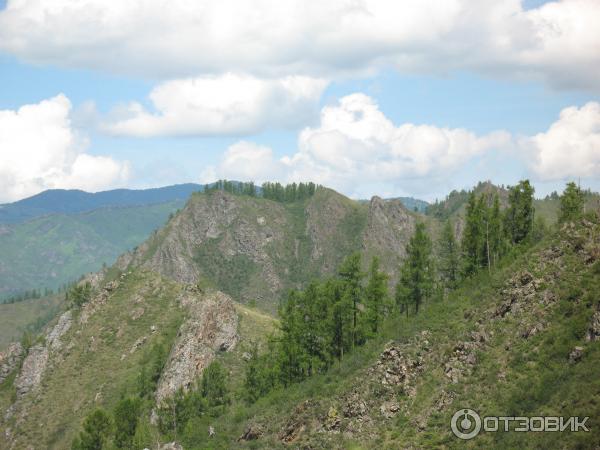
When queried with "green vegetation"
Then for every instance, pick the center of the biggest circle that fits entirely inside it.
(571, 203)
(288, 193)
(27, 316)
(49, 251)
(96, 430)
(345, 366)
(417, 271)
(520, 213)
(448, 257)
(78, 295)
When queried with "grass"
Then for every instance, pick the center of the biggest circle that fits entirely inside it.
(28, 315)
(93, 359)
(539, 379)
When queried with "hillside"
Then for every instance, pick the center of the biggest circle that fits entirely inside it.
(201, 291)
(52, 250)
(531, 331)
(453, 206)
(27, 315)
(256, 249)
(61, 201)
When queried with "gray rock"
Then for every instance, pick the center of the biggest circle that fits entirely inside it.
(53, 337)
(593, 333)
(211, 327)
(10, 359)
(576, 355)
(33, 369)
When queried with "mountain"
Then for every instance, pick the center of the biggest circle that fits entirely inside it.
(60, 201)
(49, 251)
(413, 204)
(187, 310)
(256, 249)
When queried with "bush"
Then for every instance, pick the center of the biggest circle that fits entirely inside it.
(97, 428)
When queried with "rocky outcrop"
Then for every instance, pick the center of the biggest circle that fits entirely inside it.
(251, 433)
(211, 327)
(37, 359)
(10, 359)
(32, 370)
(389, 227)
(593, 333)
(53, 337)
(236, 226)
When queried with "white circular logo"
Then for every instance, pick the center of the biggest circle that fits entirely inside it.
(465, 424)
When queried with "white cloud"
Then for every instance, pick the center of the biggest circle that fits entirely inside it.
(356, 146)
(246, 161)
(40, 150)
(558, 42)
(229, 104)
(571, 146)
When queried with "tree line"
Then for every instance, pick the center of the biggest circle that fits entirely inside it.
(273, 191)
(329, 318)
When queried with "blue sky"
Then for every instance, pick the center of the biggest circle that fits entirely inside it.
(415, 116)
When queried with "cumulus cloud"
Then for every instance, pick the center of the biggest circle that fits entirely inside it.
(570, 148)
(356, 145)
(40, 150)
(225, 105)
(557, 42)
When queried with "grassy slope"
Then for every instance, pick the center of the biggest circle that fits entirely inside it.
(53, 250)
(92, 373)
(512, 376)
(15, 318)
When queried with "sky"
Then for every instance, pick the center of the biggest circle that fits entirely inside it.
(369, 97)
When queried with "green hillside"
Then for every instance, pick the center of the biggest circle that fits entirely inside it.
(49, 251)
(32, 314)
(180, 340)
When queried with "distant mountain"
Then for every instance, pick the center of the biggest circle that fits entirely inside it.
(412, 204)
(60, 201)
(48, 251)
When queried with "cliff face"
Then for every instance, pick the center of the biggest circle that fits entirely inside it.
(211, 327)
(256, 249)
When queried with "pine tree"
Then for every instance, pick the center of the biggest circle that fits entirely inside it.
(214, 384)
(416, 278)
(352, 277)
(126, 416)
(571, 203)
(96, 431)
(495, 233)
(376, 296)
(473, 237)
(449, 256)
(520, 212)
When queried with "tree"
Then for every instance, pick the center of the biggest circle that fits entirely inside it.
(126, 416)
(214, 385)
(416, 277)
(473, 238)
(79, 294)
(520, 212)
(376, 296)
(571, 203)
(449, 256)
(495, 233)
(352, 277)
(96, 431)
